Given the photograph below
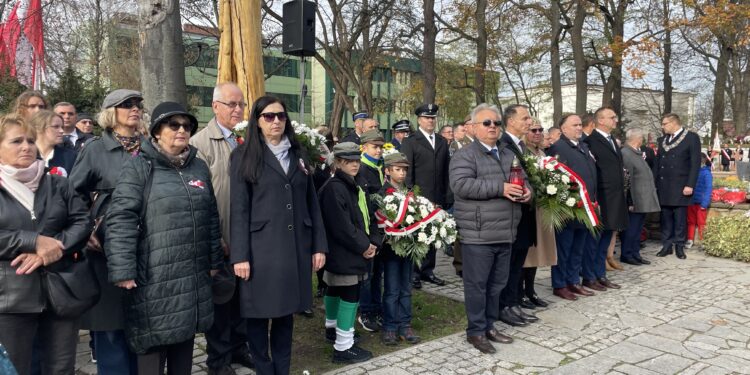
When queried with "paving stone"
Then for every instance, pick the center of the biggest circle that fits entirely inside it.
(731, 363)
(667, 364)
(630, 353)
(629, 369)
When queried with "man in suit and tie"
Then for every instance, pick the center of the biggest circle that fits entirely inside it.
(517, 122)
(428, 154)
(359, 121)
(571, 240)
(676, 171)
(72, 137)
(612, 198)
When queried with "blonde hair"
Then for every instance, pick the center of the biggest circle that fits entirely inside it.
(107, 119)
(15, 119)
(19, 106)
(42, 119)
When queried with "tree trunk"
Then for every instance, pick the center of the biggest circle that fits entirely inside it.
(741, 79)
(162, 56)
(720, 84)
(667, 59)
(339, 105)
(555, 79)
(579, 57)
(481, 65)
(428, 52)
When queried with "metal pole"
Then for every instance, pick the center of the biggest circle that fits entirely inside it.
(303, 91)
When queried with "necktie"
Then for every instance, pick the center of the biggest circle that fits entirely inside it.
(67, 141)
(362, 203)
(495, 154)
(432, 140)
(612, 142)
(522, 146)
(232, 139)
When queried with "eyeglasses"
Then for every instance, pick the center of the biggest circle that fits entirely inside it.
(130, 103)
(487, 123)
(270, 116)
(537, 130)
(176, 125)
(233, 105)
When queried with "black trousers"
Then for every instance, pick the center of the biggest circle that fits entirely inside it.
(673, 225)
(279, 361)
(428, 264)
(227, 336)
(178, 358)
(526, 282)
(511, 294)
(485, 275)
(57, 341)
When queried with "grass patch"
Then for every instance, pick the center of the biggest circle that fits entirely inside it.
(433, 317)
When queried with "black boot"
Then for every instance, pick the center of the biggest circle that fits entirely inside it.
(680, 251)
(667, 250)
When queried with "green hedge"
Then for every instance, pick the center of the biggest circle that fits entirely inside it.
(731, 183)
(727, 237)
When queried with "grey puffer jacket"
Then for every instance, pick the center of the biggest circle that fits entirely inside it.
(170, 256)
(483, 216)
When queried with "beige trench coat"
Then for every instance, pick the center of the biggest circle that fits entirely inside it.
(545, 252)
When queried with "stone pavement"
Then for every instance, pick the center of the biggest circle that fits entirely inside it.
(687, 317)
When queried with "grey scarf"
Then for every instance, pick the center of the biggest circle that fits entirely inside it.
(281, 152)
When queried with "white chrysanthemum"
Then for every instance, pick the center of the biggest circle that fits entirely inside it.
(421, 237)
(240, 126)
(565, 179)
(570, 202)
(391, 207)
(551, 189)
(434, 230)
(423, 211)
(549, 167)
(409, 219)
(439, 245)
(389, 199)
(412, 209)
(443, 232)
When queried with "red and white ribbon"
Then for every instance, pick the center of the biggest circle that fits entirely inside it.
(588, 206)
(393, 227)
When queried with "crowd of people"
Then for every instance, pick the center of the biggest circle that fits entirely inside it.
(190, 230)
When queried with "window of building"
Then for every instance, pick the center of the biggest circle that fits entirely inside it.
(200, 96)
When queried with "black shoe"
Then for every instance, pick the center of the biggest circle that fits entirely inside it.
(354, 354)
(368, 322)
(679, 251)
(630, 261)
(321, 292)
(526, 304)
(416, 284)
(508, 317)
(331, 336)
(538, 301)
(224, 370)
(434, 279)
(528, 318)
(642, 261)
(665, 251)
(244, 360)
(388, 338)
(307, 313)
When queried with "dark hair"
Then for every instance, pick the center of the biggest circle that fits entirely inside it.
(672, 116)
(564, 118)
(254, 147)
(587, 119)
(705, 159)
(511, 111)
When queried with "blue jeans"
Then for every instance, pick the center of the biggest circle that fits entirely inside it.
(112, 354)
(370, 298)
(631, 237)
(397, 294)
(595, 255)
(571, 243)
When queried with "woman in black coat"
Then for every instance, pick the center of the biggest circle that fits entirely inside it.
(49, 142)
(43, 224)
(278, 238)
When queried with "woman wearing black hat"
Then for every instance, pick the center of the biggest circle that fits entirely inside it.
(278, 238)
(164, 244)
(94, 178)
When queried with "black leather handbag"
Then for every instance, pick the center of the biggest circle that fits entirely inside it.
(72, 290)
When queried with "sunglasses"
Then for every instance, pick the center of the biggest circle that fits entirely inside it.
(130, 103)
(537, 130)
(487, 123)
(270, 116)
(176, 125)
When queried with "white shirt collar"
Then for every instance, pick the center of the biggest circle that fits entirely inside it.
(489, 148)
(676, 134)
(427, 135)
(224, 131)
(49, 157)
(515, 139)
(605, 135)
(73, 136)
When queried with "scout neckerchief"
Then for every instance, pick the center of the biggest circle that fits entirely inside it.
(362, 203)
(370, 162)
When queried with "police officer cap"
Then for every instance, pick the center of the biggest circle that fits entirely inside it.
(427, 110)
(397, 159)
(401, 126)
(347, 150)
(372, 136)
(359, 115)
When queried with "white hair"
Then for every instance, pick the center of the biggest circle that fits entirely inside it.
(220, 87)
(484, 107)
(633, 133)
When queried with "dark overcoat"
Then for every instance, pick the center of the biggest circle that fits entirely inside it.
(64, 157)
(95, 172)
(526, 235)
(429, 167)
(578, 158)
(610, 174)
(677, 165)
(369, 179)
(277, 227)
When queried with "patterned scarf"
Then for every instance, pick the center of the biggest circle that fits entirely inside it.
(178, 160)
(131, 144)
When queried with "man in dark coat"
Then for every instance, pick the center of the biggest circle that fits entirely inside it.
(72, 138)
(428, 154)
(612, 198)
(401, 130)
(571, 241)
(650, 155)
(676, 172)
(517, 123)
(359, 120)
(726, 157)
